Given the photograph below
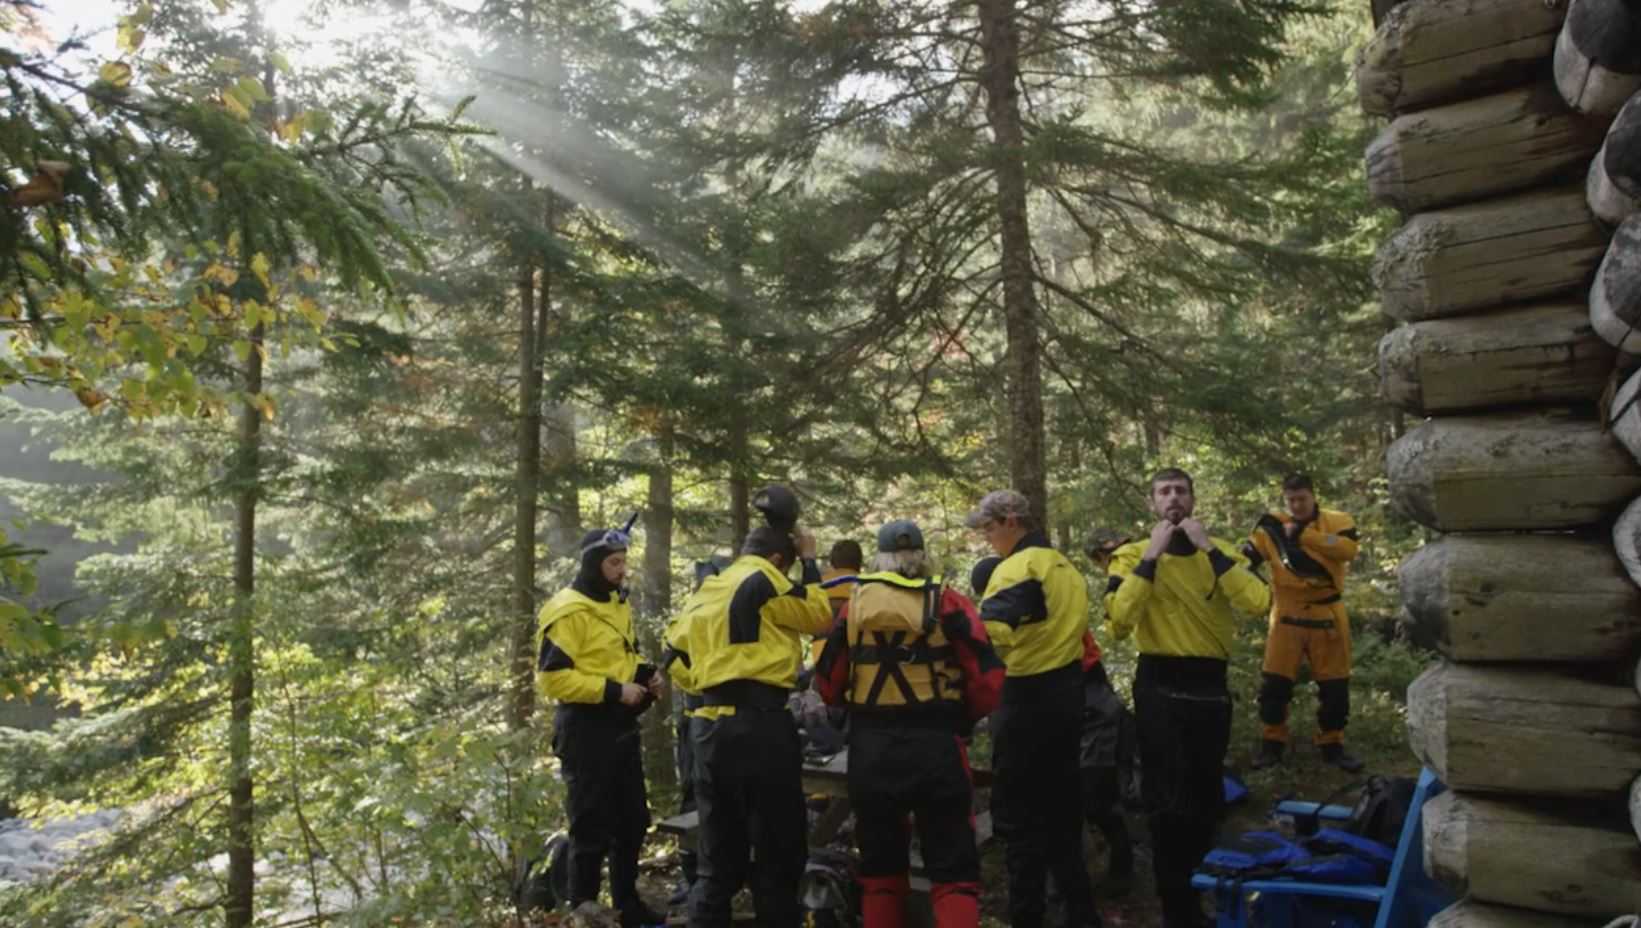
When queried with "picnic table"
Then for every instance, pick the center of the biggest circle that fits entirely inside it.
(828, 777)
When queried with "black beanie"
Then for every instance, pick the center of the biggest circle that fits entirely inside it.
(980, 577)
(597, 545)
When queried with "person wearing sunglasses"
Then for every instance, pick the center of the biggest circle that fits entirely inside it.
(589, 664)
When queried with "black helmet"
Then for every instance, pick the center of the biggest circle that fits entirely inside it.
(779, 506)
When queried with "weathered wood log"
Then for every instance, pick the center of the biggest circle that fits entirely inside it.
(1627, 545)
(1432, 51)
(1521, 598)
(1523, 729)
(1615, 297)
(1598, 54)
(1549, 469)
(1635, 807)
(1465, 151)
(1535, 354)
(1625, 415)
(1621, 153)
(1468, 913)
(1609, 204)
(1509, 250)
(1613, 186)
(1562, 857)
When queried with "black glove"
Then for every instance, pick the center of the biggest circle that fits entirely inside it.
(642, 676)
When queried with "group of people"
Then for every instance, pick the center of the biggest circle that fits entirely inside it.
(916, 665)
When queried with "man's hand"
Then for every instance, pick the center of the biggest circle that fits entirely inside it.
(1195, 531)
(806, 541)
(632, 694)
(654, 686)
(1161, 534)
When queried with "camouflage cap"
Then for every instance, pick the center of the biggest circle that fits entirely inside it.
(1104, 540)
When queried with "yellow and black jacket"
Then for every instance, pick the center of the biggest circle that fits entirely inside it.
(838, 596)
(675, 656)
(1036, 608)
(1181, 604)
(1308, 570)
(747, 624)
(587, 649)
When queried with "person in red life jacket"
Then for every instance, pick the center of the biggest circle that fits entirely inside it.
(1309, 550)
(913, 664)
(589, 664)
(1036, 611)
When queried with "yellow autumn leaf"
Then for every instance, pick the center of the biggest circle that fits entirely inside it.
(117, 73)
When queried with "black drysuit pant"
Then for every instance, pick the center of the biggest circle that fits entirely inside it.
(603, 768)
(896, 772)
(749, 793)
(1183, 713)
(1105, 758)
(684, 756)
(1036, 794)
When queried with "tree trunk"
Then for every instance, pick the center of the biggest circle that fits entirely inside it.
(1485, 598)
(1551, 469)
(1598, 55)
(1480, 148)
(658, 519)
(1561, 857)
(1615, 298)
(740, 489)
(564, 522)
(1485, 255)
(1523, 729)
(240, 905)
(1023, 356)
(1433, 51)
(241, 889)
(526, 471)
(1537, 354)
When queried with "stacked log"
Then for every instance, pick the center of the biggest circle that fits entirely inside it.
(1454, 261)
(1615, 298)
(1598, 55)
(1532, 594)
(1613, 185)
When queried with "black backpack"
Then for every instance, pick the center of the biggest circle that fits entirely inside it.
(1383, 809)
(543, 881)
(829, 890)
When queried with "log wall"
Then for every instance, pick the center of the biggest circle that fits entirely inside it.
(1514, 152)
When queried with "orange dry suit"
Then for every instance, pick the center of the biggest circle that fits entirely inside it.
(1307, 619)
